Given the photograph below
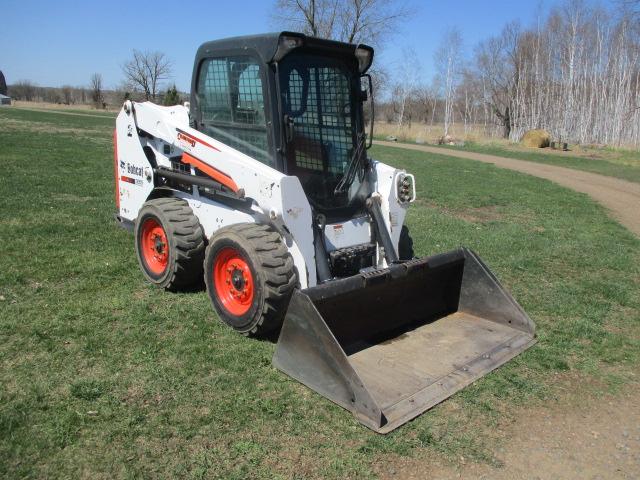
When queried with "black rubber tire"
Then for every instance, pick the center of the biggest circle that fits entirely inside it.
(405, 244)
(186, 240)
(272, 269)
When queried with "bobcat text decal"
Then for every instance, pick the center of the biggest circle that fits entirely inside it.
(126, 167)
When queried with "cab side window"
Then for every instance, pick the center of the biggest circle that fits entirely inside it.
(231, 105)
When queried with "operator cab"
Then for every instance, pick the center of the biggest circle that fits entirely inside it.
(294, 103)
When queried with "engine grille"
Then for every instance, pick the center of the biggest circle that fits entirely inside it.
(350, 260)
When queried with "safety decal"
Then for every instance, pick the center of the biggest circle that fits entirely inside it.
(188, 141)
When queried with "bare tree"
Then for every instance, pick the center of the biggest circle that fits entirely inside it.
(96, 90)
(497, 64)
(630, 7)
(49, 95)
(576, 74)
(146, 70)
(423, 101)
(469, 99)
(352, 21)
(408, 74)
(23, 90)
(448, 60)
(67, 94)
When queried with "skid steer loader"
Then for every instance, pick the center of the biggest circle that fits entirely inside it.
(262, 184)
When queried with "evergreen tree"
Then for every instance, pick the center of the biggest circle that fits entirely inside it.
(172, 97)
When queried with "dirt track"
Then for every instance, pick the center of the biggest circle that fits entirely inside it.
(596, 438)
(620, 197)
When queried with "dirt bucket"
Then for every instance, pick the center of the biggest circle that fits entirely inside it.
(389, 344)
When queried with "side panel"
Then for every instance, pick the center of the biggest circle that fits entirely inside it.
(134, 178)
(293, 218)
(213, 215)
(308, 352)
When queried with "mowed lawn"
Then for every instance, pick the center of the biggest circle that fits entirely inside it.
(103, 376)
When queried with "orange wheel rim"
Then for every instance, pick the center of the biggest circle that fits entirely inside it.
(154, 246)
(233, 281)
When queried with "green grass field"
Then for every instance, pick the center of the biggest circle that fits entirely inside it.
(619, 163)
(104, 376)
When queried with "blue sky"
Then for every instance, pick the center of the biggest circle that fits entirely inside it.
(63, 42)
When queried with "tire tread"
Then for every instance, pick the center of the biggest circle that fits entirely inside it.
(276, 266)
(188, 238)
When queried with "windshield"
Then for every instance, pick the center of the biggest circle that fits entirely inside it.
(321, 116)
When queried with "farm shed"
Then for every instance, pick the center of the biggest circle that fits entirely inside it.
(4, 100)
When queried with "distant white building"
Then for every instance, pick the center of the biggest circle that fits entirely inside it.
(4, 100)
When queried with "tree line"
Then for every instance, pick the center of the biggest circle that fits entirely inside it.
(144, 77)
(575, 73)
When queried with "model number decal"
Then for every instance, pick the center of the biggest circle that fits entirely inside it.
(133, 181)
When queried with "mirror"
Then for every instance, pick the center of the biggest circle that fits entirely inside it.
(367, 94)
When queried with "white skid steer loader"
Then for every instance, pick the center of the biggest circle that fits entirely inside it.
(262, 184)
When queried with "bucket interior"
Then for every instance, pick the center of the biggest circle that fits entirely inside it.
(397, 368)
(385, 308)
